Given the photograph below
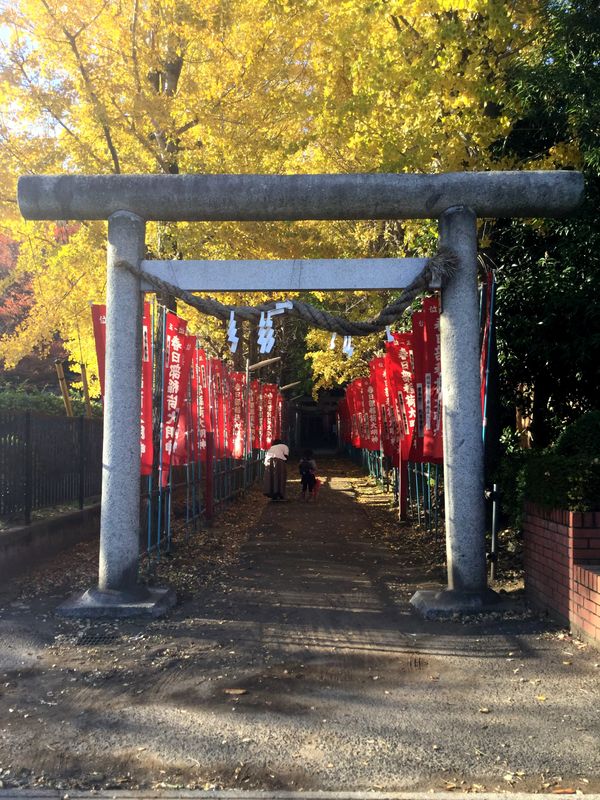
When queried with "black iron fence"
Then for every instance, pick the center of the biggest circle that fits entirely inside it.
(47, 461)
(193, 495)
(418, 492)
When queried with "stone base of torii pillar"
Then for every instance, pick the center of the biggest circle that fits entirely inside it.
(432, 604)
(113, 604)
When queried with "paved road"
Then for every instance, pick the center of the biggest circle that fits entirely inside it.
(300, 666)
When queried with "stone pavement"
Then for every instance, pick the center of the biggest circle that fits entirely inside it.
(234, 794)
(292, 662)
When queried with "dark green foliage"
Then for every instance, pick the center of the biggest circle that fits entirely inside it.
(549, 272)
(565, 482)
(548, 320)
(565, 475)
(20, 399)
(509, 477)
(558, 86)
(581, 439)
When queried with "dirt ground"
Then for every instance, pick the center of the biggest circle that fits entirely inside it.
(293, 661)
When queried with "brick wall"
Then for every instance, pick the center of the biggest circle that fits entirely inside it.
(585, 608)
(562, 565)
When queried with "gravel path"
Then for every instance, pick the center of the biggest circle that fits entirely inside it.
(292, 661)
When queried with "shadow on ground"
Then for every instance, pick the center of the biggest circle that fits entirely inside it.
(292, 660)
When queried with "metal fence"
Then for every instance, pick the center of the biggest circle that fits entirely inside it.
(47, 461)
(425, 495)
(192, 496)
(420, 499)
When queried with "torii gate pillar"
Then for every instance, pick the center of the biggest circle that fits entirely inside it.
(456, 199)
(118, 593)
(463, 445)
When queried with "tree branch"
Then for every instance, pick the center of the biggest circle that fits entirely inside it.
(134, 58)
(188, 125)
(100, 110)
(397, 18)
(45, 107)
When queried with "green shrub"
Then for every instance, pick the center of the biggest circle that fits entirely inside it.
(22, 399)
(559, 481)
(565, 475)
(509, 477)
(582, 438)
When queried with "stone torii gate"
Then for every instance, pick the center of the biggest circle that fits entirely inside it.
(129, 201)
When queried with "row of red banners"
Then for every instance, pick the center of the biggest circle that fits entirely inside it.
(397, 409)
(200, 396)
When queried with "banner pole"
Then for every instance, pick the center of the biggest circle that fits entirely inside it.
(150, 488)
(209, 484)
(159, 503)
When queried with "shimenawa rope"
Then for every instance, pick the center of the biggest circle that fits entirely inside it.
(438, 269)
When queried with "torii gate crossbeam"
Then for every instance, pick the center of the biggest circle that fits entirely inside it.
(455, 199)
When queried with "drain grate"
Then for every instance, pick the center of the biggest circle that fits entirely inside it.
(90, 637)
(97, 637)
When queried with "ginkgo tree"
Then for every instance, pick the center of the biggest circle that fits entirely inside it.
(239, 86)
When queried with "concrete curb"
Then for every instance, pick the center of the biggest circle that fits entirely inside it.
(29, 545)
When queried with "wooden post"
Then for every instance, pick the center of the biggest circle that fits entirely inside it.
(86, 392)
(62, 382)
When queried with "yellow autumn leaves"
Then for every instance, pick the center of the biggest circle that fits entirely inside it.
(241, 86)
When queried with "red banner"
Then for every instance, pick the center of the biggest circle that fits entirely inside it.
(200, 403)
(426, 347)
(269, 404)
(485, 341)
(219, 403)
(279, 416)
(354, 398)
(371, 420)
(400, 376)
(215, 380)
(256, 414)
(237, 382)
(392, 424)
(99, 324)
(178, 353)
(146, 444)
(184, 446)
(386, 418)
